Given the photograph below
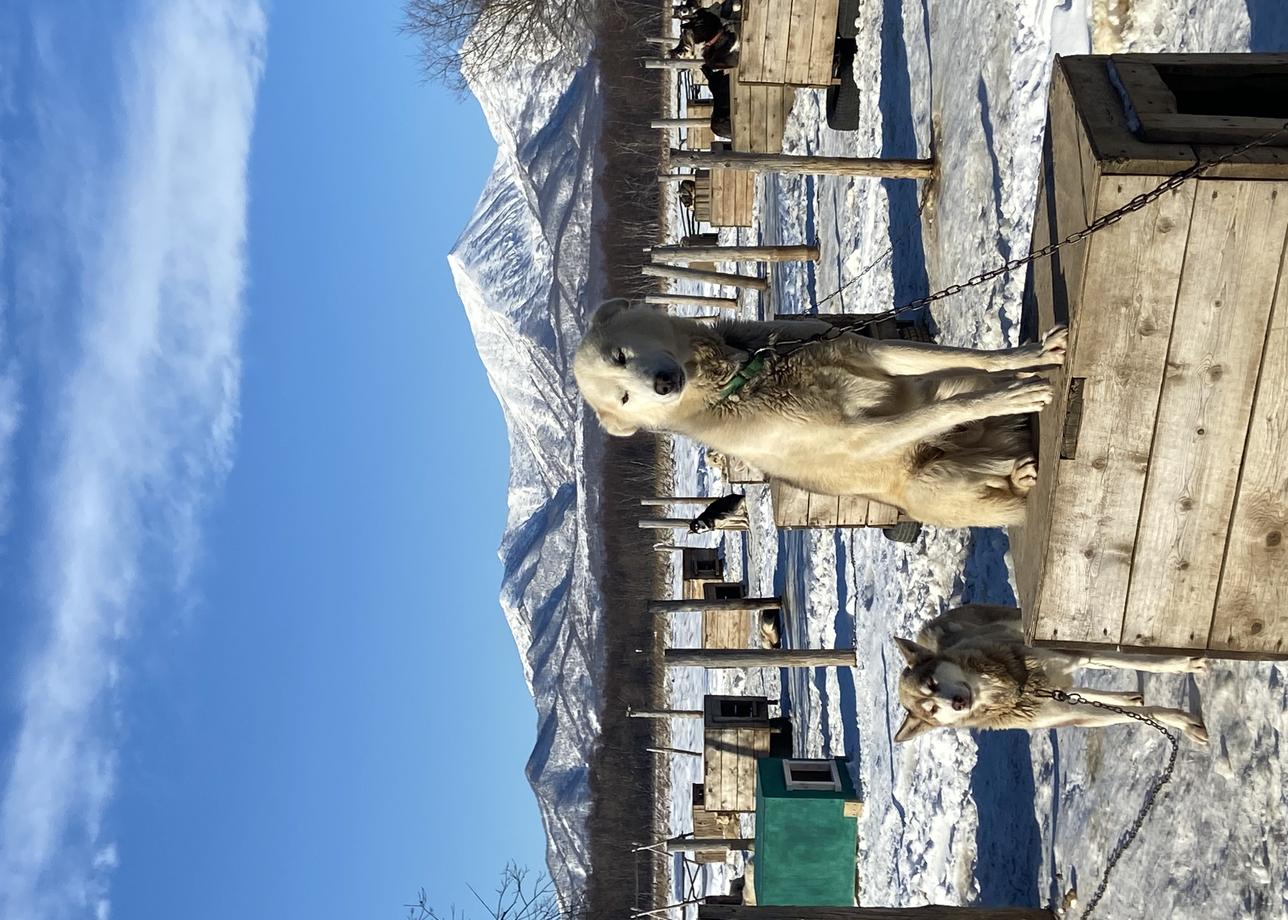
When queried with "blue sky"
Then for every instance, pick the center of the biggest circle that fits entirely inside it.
(252, 477)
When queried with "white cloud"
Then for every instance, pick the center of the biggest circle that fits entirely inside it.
(144, 427)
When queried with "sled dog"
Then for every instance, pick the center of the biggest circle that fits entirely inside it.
(970, 668)
(939, 432)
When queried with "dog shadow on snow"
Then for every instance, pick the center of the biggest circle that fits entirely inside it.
(1008, 841)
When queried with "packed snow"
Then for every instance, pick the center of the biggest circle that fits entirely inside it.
(992, 818)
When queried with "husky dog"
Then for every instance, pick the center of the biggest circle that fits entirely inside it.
(725, 506)
(970, 668)
(939, 432)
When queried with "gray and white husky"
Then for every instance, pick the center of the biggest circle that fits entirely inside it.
(970, 668)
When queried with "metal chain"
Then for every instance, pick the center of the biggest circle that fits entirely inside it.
(1129, 837)
(1140, 201)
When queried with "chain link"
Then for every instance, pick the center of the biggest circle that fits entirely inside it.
(1140, 201)
(1129, 837)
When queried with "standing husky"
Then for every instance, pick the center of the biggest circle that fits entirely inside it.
(970, 668)
(939, 432)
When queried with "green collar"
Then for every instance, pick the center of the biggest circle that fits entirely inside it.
(744, 375)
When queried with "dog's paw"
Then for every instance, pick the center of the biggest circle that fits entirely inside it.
(1025, 475)
(1021, 397)
(1196, 731)
(1055, 344)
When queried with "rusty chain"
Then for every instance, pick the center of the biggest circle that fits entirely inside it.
(1106, 220)
(1129, 836)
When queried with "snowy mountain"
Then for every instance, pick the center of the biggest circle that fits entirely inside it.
(521, 268)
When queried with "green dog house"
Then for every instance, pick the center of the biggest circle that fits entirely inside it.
(807, 818)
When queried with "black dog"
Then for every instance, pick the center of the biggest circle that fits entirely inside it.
(724, 507)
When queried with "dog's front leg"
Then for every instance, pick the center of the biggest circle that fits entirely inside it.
(1054, 714)
(880, 436)
(916, 359)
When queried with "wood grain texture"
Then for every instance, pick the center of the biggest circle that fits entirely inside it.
(800, 41)
(1125, 319)
(1067, 198)
(1252, 600)
(1222, 313)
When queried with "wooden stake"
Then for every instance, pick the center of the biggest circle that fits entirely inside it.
(929, 912)
(696, 121)
(723, 604)
(734, 254)
(694, 844)
(663, 500)
(730, 279)
(666, 713)
(671, 63)
(671, 750)
(717, 658)
(809, 165)
(693, 300)
(730, 523)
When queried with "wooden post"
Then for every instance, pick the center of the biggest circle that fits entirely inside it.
(723, 604)
(730, 279)
(662, 40)
(716, 658)
(734, 254)
(663, 500)
(731, 523)
(694, 844)
(929, 912)
(666, 713)
(671, 63)
(695, 121)
(671, 750)
(809, 165)
(673, 177)
(693, 300)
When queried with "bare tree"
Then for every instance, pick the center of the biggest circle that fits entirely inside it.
(521, 895)
(462, 38)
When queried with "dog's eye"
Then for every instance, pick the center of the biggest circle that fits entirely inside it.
(932, 710)
(626, 397)
(619, 357)
(932, 685)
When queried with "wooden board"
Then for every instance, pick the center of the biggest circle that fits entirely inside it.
(1222, 312)
(732, 194)
(1252, 600)
(1067, 191)
(1132, 275)
(729, 767)
(788, 42)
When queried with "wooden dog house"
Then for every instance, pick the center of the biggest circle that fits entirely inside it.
(736, 733)
(1159, 517)
(807, 815)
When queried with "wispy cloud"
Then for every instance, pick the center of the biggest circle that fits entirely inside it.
(142, 428)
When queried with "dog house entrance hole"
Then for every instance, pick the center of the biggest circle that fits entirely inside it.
(1228, 91)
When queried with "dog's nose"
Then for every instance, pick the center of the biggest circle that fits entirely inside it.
(959, 703)
(665, 383)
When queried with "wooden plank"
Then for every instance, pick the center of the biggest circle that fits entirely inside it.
(1067, 193)
(1145, 88)
(882, 515)
(779, 110)
(745, 790)
(1124, 322)
(1222, 312)
(777, 32)
(800, 40)
(751, 38)
(1252, 600)
(823, 511)
(758, 100)
(823, 33)
(791, 505)
(1179, 128)
(852, 511)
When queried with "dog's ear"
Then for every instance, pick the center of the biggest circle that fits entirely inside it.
(610, 308)
(911, 651)
(910, 729)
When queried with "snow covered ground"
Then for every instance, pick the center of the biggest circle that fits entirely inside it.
(992, 818)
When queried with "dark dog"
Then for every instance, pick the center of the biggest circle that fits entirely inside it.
(724, 507)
